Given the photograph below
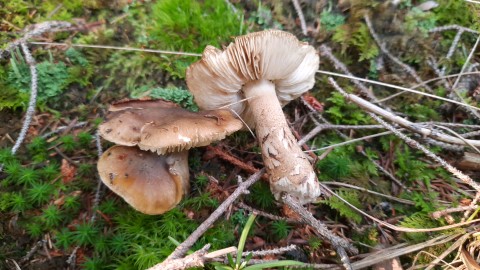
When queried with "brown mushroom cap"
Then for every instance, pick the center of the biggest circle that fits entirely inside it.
(150, 183)
(164, 128)
(217, 79)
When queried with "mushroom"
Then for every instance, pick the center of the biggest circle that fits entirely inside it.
(163, 127)
(154, 183)
(150, 183)
(269, 69)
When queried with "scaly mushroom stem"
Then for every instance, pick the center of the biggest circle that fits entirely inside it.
(286, 164)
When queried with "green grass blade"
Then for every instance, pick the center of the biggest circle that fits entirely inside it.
(243, 238)
(273, 264)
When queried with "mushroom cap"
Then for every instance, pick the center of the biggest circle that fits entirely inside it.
(164, 128)
(150, 183)
(217, 79)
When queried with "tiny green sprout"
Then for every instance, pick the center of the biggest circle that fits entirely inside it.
(108, 206)
(34, 229)
(261, 195)
(315, 243)
(28, 176)
(13, 169)
(85, 169)
(64, 239)
(40, 193)
(50, 171)
(18, 202)
(68, 143)
(6, 155)
(51, 216)
(85, 234)
(93, 264)
(37, 145)
(84, 139)
(117, 243)
(239, 264)
(71, 203)
(280, 228)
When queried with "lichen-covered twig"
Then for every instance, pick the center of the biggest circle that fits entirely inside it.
(34, 31)
(414, 144)
(33, 97)
(397, 61)
(341, 245)
(185, 246)
(298, 9)
(264, 214)
(325, 51)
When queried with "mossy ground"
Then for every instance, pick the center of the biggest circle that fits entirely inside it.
(47, 188)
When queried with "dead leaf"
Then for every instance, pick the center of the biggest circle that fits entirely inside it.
(67, 171)
(468, 260)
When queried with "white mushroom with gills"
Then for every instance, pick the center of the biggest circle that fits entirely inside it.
(268, 69)
(155, 181)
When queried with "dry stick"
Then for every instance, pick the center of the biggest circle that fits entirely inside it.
(37, 30)
(440, 213)
(371, 192)
(340, 244)
(298, 9)
(376, 163)
(196, 259)
(117, 48)
(407, 124)
(185, 246)
(464, 67)
(397, 61)
(60, 129)
(414, 144)
(452, 27)
(327, 52)
(320, 127)
(265, 214)
(350, 141)
(452, 48)
(32, 251)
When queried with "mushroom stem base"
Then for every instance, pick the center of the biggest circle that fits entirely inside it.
(288, 167)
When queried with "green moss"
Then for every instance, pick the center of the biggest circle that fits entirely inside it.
(190, 26)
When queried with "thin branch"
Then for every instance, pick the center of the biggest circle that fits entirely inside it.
(397, 87)
(397, 61)
(298, 9)
(341, 245)
(117, 48)
(265, 214)
(185, 246)
(351, 141)
(371, 192)
(327, 52)
(444, 212)
(412, 143)
(33, 97)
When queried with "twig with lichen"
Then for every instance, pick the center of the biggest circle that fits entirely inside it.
(387, 52)
(326, 52)
(414, 144)
(264, 214)
(341, 245)
(301, 18)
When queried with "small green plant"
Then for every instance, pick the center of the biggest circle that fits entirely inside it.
(85, 234)
(51, 216)
(239, 264)
(280, 229)
(261, 195)
(40, 193)
(180, 96)
(330, 20)
(345, 210)
(68, 143)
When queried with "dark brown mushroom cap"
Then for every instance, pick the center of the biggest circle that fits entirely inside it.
(150, 183)
(164, 129)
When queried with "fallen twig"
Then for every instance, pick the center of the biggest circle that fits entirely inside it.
(340, 244)
(298, 9)
(185, 246)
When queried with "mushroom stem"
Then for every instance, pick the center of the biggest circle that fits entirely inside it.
(285, 162)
